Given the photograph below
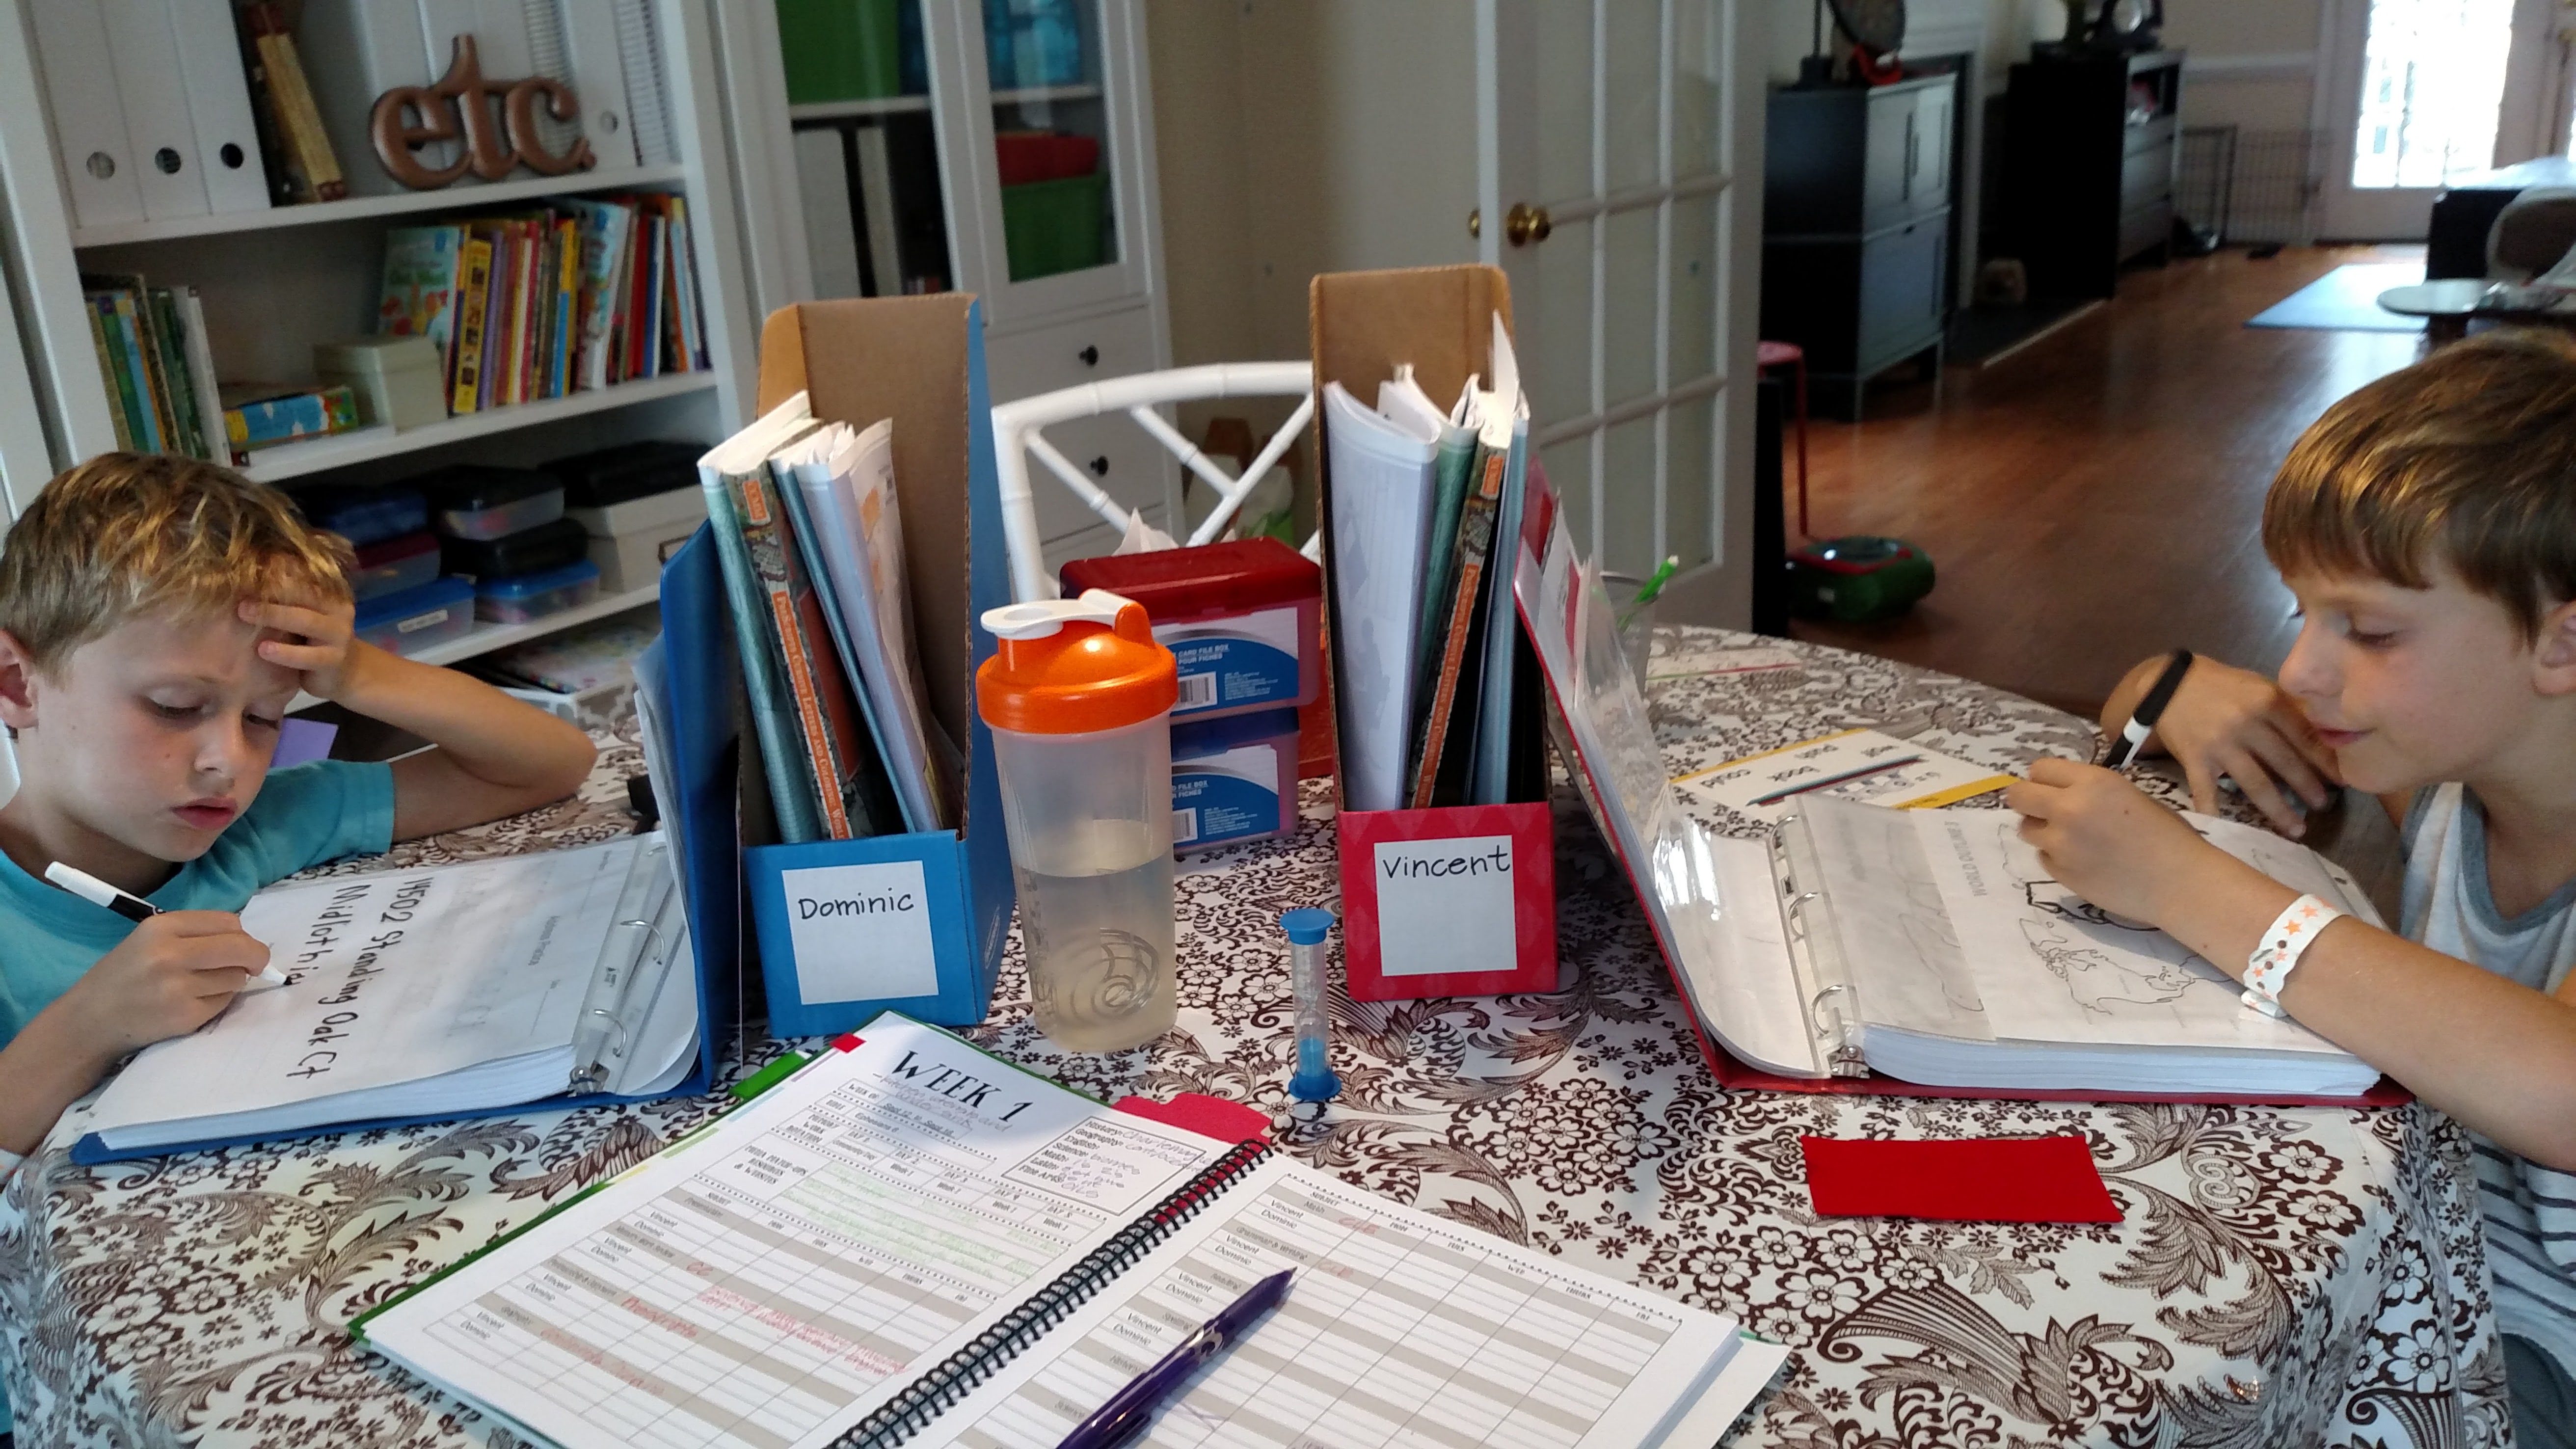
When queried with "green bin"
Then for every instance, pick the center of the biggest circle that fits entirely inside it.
(841, 50)
(1054, 226)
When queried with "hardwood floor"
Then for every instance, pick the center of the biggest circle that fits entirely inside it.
(2097, 497)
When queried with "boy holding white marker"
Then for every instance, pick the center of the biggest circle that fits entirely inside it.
(157, 616)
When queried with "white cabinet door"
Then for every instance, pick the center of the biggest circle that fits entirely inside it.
(1050, 243)
(25, 463)
(1615, 134)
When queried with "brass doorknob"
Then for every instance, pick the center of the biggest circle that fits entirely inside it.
(1524, 224)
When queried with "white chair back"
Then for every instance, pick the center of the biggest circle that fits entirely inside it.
(1018, 436)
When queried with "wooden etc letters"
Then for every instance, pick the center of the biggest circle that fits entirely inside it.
(460, 103)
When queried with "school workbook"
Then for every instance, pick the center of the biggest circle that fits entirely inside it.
(913, 1242)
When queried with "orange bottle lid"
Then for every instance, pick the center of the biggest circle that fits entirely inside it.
(1074, 667)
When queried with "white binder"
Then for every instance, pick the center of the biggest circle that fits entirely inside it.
(219, 101)
(145, 54)
(596, 69)
(89, 124)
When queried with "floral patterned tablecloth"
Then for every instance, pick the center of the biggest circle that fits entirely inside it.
(2282, 1277)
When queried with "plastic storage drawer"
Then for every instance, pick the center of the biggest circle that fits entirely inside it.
(418, 619)
(365, 515)
(536, 596)
(474, 501)
(542, 549)
(393, 566)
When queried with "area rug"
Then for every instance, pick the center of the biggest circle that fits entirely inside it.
(2346, 299)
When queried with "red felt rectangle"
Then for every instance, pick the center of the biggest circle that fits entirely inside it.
(1970, 1180)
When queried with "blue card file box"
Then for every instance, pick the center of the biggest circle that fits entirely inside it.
(911, 923)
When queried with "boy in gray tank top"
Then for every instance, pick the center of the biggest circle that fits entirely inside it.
(2427, 524)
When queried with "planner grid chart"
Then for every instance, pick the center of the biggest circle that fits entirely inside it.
(1391, 1336)
(762, 1298)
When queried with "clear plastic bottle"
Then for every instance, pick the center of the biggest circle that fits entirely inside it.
(1079, 699)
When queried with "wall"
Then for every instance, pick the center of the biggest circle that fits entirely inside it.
(2252, 66)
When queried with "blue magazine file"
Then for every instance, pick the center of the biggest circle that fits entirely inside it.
(860, 361)
(703, 677)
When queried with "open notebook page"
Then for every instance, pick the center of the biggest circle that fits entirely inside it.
(770, 1283)
(1400, 1329)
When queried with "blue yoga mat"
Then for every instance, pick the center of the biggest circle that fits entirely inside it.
(2346, 299)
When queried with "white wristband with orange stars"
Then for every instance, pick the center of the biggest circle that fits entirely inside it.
(2283, 943)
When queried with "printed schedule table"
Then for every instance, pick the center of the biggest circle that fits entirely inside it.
(1400, 1331)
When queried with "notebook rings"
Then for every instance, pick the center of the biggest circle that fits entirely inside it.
(946, 1384)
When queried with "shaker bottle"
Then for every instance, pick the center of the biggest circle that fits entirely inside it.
(1080, 701)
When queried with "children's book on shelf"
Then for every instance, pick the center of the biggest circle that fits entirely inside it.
(156, 364)
(910, 1241)
(577, 294)
(1860, 947)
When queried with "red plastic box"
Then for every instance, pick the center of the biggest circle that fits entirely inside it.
(1244, 618)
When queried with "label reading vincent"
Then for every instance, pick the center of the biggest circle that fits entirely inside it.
(1445, 905)
(862, 932)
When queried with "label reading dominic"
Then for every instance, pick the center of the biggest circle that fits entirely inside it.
(861, 932)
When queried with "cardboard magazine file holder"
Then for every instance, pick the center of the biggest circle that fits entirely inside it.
(912, 923)
(1457, 900)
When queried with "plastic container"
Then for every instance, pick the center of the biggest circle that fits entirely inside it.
(1054, 226)
(477, 501)
(841, 50)
(531, 597)
(1234, 779)
(393, 566)
(365, 515)
(398, 381)
(542, 549)
(612, 476)
(1244, 618)
(1079, 698)
(418, 619)
(1032, 43)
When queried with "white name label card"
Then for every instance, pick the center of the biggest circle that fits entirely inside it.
(861, 932)
(1445, 905)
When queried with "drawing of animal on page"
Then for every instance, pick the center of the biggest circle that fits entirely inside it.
(2097, 982)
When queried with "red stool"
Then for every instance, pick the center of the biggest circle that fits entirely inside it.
(1768, 355)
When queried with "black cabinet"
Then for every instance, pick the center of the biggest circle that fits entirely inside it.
(1856, 227)
(2091, 143)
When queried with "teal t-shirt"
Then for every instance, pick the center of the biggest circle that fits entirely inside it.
(303, 816)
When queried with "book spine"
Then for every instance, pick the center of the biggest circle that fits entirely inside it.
(201, 371)
(567, 306)
(477, 268)
(111, 373)
(147, 338)
(299, 120)
(129, 340)
(1475, 537)
(782, 755)
(175, 378)
(760, 535)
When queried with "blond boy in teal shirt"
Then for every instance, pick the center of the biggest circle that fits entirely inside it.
(157, 616)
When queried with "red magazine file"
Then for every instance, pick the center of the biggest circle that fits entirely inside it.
(1459, 900)
(1424, 889)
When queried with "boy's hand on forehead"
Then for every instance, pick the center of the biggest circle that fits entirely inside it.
(317, 641)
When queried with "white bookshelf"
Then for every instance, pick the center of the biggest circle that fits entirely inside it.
(364, 208)
(366, 445)
(277, 280)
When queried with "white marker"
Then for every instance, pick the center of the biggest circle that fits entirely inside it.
(136, 909)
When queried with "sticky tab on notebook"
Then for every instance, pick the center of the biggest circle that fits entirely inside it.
(1209, 1116)
(1989, 1180)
